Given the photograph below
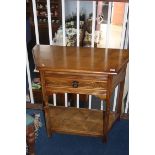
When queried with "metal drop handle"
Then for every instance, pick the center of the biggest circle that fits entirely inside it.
(75, 84)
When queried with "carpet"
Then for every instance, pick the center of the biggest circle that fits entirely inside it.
(63, 144)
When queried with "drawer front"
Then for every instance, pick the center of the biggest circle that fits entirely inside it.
(86, 84)
(83, 84)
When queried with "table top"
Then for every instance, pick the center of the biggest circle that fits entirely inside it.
(80, 59)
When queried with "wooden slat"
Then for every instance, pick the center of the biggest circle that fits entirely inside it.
(101, 104)
(77, 101)
(54, 99)
(66, 100)
(90, 100)
(127, 104)
(115, 98)
(126, 85)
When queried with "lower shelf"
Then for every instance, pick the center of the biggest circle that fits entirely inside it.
(80, 121)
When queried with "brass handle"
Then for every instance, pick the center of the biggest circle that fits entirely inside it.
(75, 84)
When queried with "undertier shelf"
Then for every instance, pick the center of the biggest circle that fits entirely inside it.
(79, 121)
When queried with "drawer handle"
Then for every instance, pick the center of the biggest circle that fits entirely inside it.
(75, 84)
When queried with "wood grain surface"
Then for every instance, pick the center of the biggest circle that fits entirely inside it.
(79, 59)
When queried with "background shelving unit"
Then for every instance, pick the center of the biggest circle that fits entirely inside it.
(41, 6)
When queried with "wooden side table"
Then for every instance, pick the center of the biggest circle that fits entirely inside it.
(91, 71)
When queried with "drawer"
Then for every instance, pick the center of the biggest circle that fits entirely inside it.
(69, 83)
(74, 83)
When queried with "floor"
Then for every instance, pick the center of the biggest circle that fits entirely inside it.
(63, 144)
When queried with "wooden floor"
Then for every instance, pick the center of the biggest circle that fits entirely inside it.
(78, 121)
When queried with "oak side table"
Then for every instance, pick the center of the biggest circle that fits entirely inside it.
(91, 71)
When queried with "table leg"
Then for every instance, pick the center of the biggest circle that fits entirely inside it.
(106, 120)
(105, 138)
(48, 122)
(46, 106)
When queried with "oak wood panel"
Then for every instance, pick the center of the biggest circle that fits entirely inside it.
(78, 121)
(79, 59)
